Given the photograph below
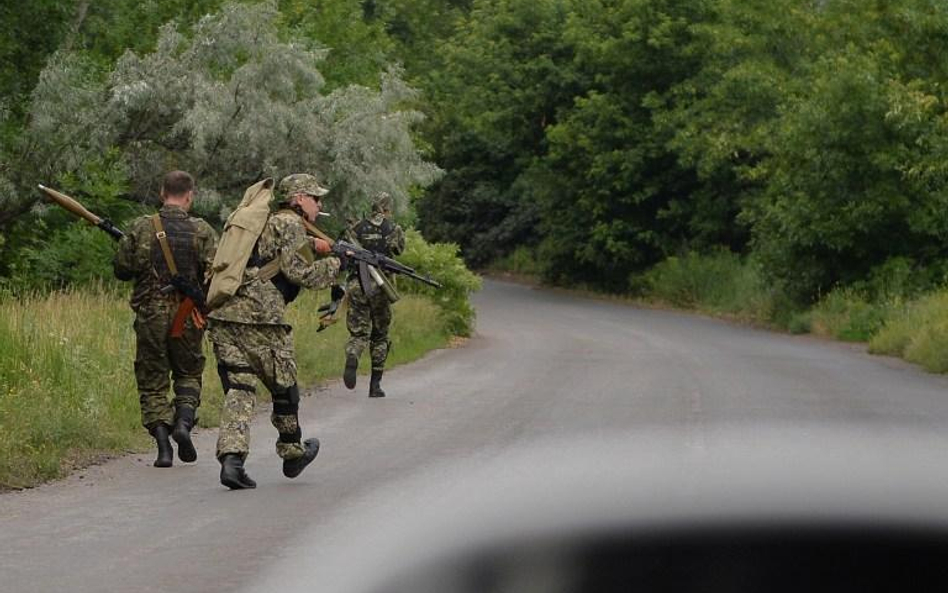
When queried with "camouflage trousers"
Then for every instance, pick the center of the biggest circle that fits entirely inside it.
(157, 355)
(368, 319)
(246, 352)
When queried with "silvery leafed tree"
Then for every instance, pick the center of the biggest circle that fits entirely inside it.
(231, 101)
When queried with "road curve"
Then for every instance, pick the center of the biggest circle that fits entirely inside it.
(543, 365)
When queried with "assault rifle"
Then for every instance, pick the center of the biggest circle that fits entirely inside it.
(370, 261)
(79, 210)
(370, 278)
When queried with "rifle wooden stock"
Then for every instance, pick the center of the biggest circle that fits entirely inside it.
(314, 231)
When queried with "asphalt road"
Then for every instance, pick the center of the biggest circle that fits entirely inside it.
(542, 366)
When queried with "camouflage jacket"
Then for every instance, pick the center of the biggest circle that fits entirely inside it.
(377, 234)
(139, 257)
(260, 301)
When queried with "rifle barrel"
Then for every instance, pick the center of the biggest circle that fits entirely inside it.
(370, 257)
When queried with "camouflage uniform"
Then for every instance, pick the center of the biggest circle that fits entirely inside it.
(252, 340)
(368, 318)
(140, 258)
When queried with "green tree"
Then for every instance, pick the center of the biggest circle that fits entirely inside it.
(418, 28)
(359, 49)
(613, 191)
(229, 107)
(720, 120)
(504, 79)
(32, 31)
(848, 184)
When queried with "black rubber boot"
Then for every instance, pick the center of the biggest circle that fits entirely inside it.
(232, 473)
(349, 376)
(375, 390)
(165, 453)
(183, 422)
(294, 467)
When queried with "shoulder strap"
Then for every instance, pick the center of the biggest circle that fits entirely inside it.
(162, 237)
(269, 270)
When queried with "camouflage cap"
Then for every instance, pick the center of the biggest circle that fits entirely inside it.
(301, 183)
(382, 202)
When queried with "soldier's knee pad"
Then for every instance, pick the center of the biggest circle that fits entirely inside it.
(224, 371)
(287, 403)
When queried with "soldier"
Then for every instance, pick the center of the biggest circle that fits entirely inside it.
(168, 255)
(253, 341)
(369, 316)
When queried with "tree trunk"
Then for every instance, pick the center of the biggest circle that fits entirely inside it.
(82, 8)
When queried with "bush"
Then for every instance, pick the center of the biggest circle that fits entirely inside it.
(718, 282)
(800, 323)
(78, 255)
(523, 260)
(846, 314)
(442, 262)
(917, 332)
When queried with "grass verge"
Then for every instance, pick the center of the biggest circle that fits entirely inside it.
(917, 332)
(67, 388)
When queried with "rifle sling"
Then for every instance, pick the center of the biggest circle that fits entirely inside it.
(162, 237)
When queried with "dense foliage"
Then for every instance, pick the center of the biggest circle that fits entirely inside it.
(441, 263)
(612, 134)
(601, 136)
(233, 98)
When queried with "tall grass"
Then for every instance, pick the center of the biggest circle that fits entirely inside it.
(848, 315)
(719, 282)
(917, 332)
(885, 311)
(522, 261)
(67, 388)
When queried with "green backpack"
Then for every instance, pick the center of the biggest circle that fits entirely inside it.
(241, 231)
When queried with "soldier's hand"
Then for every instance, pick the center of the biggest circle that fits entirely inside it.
(321, 246)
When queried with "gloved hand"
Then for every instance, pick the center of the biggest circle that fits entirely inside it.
(337, 292)
(321, 246)
(343, 261)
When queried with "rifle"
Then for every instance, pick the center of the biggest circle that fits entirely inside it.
(370, 279)
(79, 210)
(371, 262)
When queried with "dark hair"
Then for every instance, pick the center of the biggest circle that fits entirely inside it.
(177, 183)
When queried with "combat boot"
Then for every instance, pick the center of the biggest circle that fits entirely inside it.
(375, 390)
(294, 467)
(232, 473)
(183, 423)
(349, 376)
(165, 453)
